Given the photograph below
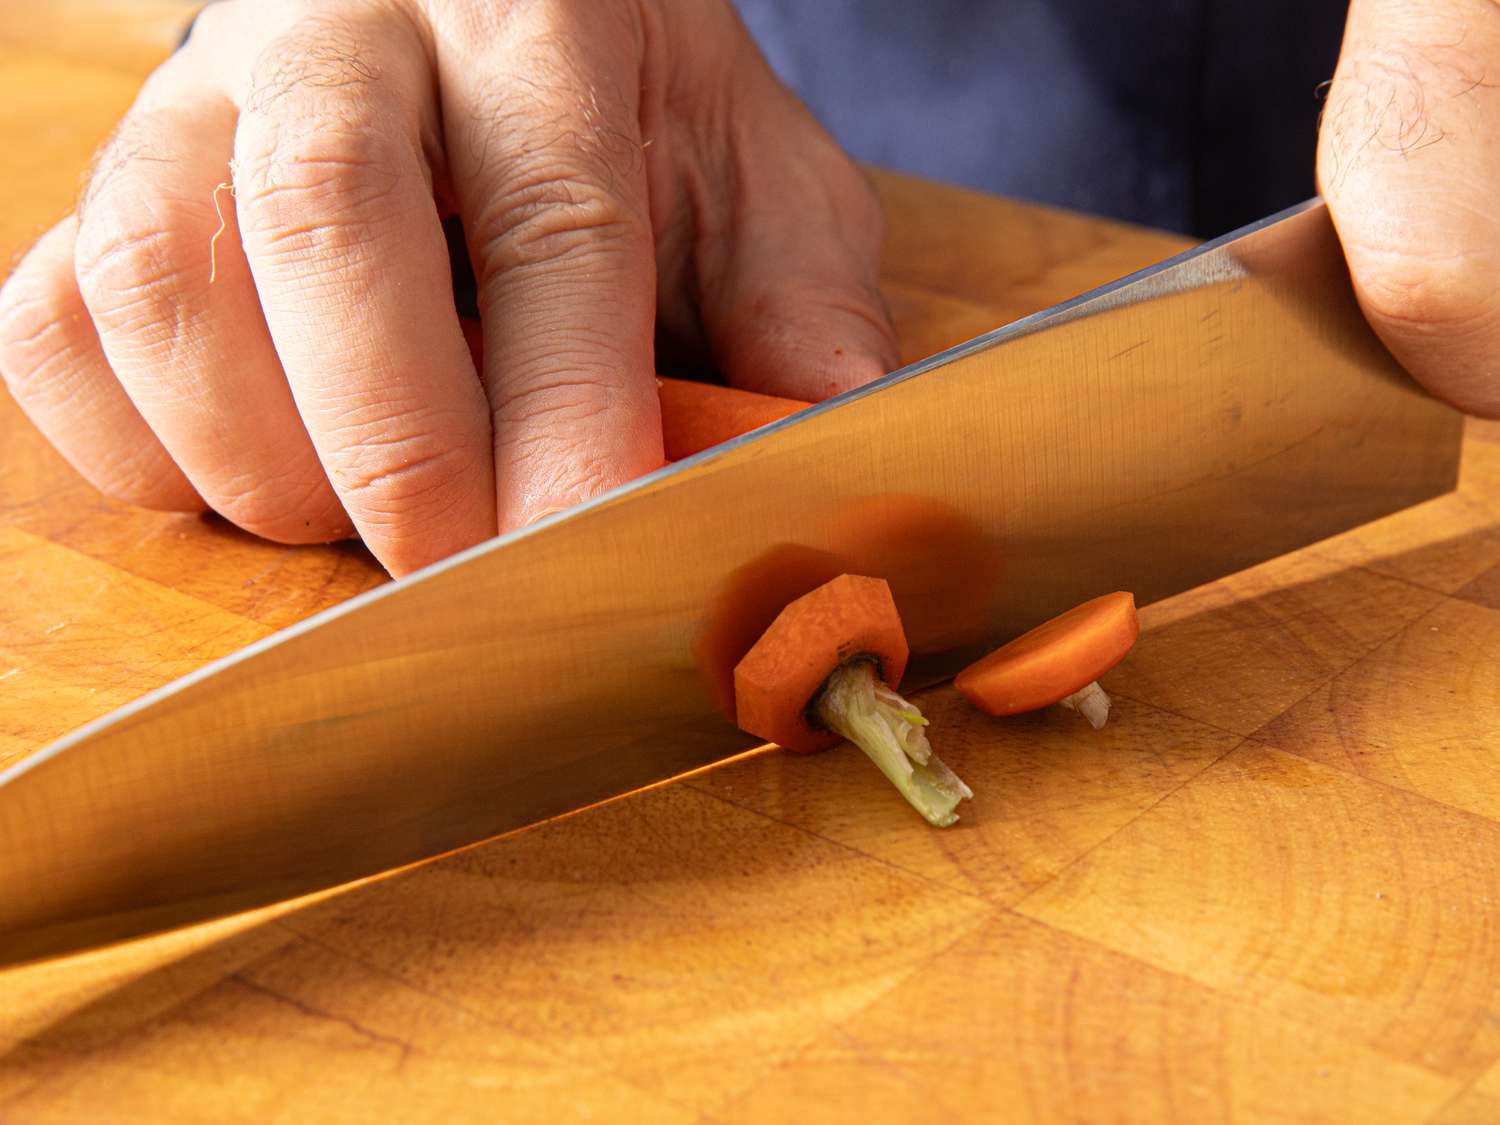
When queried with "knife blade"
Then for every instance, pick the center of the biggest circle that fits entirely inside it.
(1216, 410)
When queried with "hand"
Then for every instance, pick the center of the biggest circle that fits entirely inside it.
(1409, 161)
(622, 168)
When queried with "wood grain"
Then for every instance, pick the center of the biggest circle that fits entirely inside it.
(1312, 894)
(1021, 1022)
(1267, 891)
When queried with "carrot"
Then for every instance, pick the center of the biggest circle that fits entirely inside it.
(1057, 662)
(694, 416)
(823, 670)
(851, 617)
(744, 607)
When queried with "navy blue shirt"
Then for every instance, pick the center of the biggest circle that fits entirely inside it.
(1194, 115)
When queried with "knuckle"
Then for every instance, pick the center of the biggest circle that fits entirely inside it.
(566, 432)
(566, 475)
(555, 216)
(293, 507)
(1426, 295)
(557, 402)
(581, 478)
(125, 168)
(143, 477)
(399, 482)
(35, 330)
(562, 159)
(324, 185)
(133, 273)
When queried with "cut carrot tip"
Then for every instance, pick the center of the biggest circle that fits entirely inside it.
(780, 677)
(822, 671)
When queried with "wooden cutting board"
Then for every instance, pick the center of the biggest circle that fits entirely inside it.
(1268, 890)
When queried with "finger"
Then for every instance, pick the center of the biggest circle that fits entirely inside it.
(342, 236)
(540, 114)
(52, 363)
(787, 261)
(179, 319)
(1409, 167)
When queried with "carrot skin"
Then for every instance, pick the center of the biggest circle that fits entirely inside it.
(781, 676)
(1055, 659)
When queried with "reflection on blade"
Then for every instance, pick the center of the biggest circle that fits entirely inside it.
(1213, 412)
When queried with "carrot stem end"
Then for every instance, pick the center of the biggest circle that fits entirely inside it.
(889, 729)
(1090, 701)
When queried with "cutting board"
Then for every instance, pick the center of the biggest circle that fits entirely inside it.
(1269, 889)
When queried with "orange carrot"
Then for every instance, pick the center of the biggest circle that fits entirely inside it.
(823, 670)
(749, 600)
(694, 416)
(1057, 662)
(848, 618)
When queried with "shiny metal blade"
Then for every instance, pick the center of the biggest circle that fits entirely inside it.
(1209, 413)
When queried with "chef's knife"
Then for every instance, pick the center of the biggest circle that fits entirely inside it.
(1216, 410)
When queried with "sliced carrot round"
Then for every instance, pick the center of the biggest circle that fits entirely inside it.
(1054, 660)
(851, 616)
(743, 610)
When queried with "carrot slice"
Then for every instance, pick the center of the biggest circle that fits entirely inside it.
(694, 416)
(1057, 662)
(743, 609)
(777, 681)
(822, 671)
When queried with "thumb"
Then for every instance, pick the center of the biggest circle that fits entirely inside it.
(788, 293)
(1409, 162)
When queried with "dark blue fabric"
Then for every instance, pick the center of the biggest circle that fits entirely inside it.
(1195, 115)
